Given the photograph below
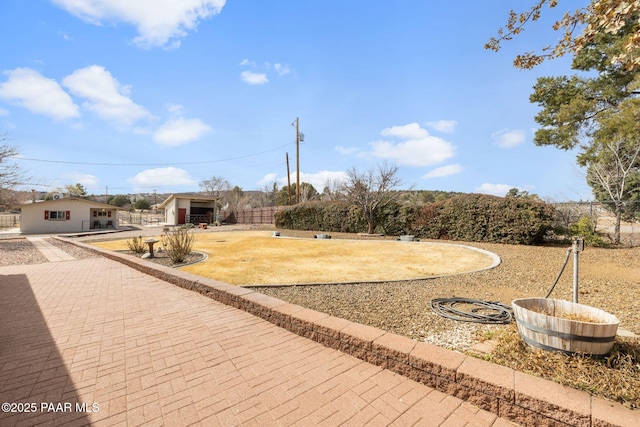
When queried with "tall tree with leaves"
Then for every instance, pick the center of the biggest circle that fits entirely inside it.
(597, 113)
(371, 190)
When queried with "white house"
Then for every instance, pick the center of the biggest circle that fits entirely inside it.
(67, 215)
(183, 209)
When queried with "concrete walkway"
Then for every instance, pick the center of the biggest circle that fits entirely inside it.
(94, 342)
(51, 252)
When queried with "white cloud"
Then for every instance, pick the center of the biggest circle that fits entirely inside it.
(494, 189)
(508, 138)
(415, 148)
(443, 171)
(253, 78)
(4, 112)
(104, 95)
(245, 61)
(445, 126)
(175, 109)
(281, 69)
(346, 150)
(319, 179)
(82, 178)
(158, 22)
(180, 131)
(38, 94)
(160, 177)
(268, 179)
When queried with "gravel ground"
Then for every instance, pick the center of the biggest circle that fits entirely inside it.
(19, 251)
(73, 250)
(609, 279)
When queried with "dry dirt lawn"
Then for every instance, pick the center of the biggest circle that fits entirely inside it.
(257, 257)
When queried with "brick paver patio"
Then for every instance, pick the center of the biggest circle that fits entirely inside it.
(96, 342)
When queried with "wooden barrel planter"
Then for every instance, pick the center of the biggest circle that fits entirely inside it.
(558, 325)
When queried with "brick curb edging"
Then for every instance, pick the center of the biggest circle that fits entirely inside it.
(510, 394)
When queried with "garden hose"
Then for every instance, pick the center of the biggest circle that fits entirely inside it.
(566, 260)
(488, 312)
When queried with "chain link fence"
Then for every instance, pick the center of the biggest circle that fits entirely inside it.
(9, 220)
(140, 218)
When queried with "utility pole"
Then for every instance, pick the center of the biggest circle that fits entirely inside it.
(297, 162)
(299, 139)
(288, 179)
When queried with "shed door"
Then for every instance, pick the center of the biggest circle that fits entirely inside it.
(182, 216)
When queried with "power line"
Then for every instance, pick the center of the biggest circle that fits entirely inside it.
(149, 164)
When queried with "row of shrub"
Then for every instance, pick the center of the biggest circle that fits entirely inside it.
(469, 217)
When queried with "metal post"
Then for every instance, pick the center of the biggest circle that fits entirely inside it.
(288, 180)
(577, 246)
(297, 162)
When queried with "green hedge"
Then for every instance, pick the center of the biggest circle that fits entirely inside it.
(470, 217)
(483, 218)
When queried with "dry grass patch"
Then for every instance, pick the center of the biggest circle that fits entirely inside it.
(615, 376)
(256, 257)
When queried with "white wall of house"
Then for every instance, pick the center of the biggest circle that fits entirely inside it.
(170, 212)
(174, 203)
(64, 216)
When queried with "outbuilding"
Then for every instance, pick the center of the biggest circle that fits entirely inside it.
(67, 215)
(180, 209)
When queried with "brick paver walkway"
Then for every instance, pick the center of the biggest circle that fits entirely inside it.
(95, 342)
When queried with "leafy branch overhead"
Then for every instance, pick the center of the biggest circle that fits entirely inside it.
(578, 28)
(597, 111)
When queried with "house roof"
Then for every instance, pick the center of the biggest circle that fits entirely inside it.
(65, 201)
(177, 196)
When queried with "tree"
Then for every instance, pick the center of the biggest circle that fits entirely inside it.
(77, 190)
(215, 187)
(596, 113)
(236, 199)
(10, 174)
(307, 192)
(521, 194)
(596, 18)
(142, 204)
(331, 190)
(613, 161)
(371, 190)
(119, 200)
(266, 196)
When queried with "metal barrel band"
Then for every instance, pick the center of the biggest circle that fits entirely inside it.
(565, 336)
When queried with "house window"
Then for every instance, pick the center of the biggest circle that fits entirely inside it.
(57, 215)
(102, 213)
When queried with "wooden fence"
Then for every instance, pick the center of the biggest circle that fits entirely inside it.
(251, 216)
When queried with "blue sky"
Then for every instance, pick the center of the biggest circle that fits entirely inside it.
(158, 95)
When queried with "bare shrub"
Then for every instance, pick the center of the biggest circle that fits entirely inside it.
(180, 244)
(136, 245)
